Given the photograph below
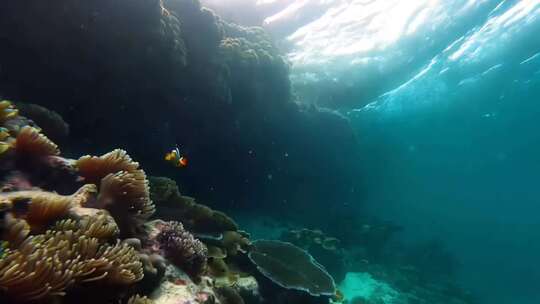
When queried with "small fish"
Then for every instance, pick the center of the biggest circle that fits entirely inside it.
(177, 159)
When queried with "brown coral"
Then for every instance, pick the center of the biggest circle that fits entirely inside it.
(31, 142)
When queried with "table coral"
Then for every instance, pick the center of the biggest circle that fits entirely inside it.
(291, 267)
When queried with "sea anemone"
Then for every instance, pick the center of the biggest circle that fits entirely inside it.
(31, 142)
(94, 168)
(123, 190)
(40, 208)
(48, 264)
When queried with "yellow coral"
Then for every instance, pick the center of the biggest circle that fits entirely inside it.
(4, 147)
(4, 133)
(7, 111)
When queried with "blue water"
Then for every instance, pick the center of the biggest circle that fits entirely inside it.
(445, 100)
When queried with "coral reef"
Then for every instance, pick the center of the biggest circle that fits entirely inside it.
(195, 77)
(196, 217)
(58, 247)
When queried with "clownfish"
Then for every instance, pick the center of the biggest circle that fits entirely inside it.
(176, 158)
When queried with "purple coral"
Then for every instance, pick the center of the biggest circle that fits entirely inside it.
(179, 246)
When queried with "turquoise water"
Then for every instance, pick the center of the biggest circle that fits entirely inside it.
(444, 97)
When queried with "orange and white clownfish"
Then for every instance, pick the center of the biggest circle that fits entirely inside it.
(175, 158)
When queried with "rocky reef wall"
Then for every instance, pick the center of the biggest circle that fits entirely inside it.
(152, 74)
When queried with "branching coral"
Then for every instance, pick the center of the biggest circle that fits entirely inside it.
(180, 247)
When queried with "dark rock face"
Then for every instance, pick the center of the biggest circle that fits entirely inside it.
(147, 75)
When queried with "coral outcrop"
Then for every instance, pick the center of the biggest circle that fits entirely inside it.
(46, 259)
(194, 76)
(198, 218)
(61, 247)
(55, 244)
